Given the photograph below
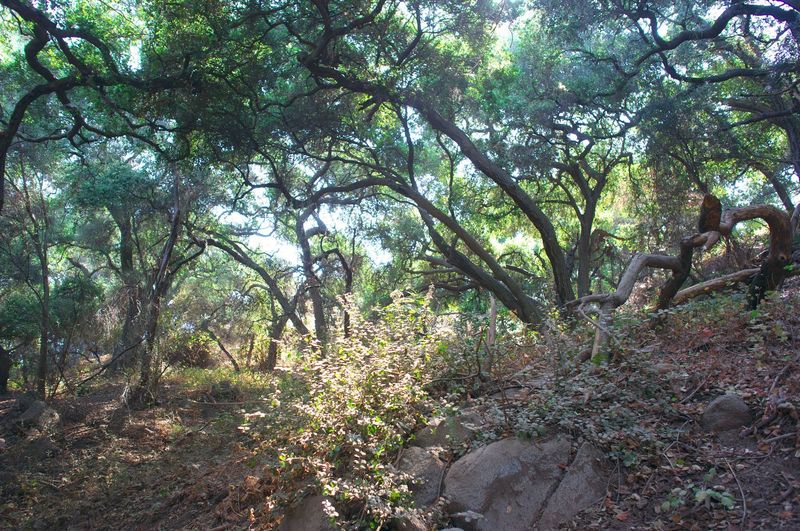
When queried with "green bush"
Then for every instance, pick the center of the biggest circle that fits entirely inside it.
(365, 396)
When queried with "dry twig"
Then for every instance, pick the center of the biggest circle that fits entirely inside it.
(741, 491)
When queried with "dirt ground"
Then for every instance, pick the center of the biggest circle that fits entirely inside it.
(168, 467)
(187, 463)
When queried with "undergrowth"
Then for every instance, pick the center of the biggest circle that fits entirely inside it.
(363, 399)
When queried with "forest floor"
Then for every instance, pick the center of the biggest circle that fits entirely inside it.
(203, 458)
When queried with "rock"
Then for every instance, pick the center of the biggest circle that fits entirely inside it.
(726, 412)
(409, 523)
(309, 515)
(39, 416)
(427, 470)
(506, 482)
(583, 485)
(448, 432)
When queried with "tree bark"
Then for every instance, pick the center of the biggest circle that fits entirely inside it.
(235, 252)
(5, 369)
(771, 174)
(512, 189)
(715, 284)
(275, 334)
(146, 389)
(44, 339)
(491, 334)
(221, 346)
(312, 281)
(585, 257)
(131, 327)
(497, 280)
(527, 204)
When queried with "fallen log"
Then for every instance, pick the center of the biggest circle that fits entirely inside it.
(715, 284)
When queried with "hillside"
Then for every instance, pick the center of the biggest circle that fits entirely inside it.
(229, 451)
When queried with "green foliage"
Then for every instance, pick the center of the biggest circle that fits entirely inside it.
(363, 399)
(19, 315)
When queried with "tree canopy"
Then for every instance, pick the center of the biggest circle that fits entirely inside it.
(327, 153)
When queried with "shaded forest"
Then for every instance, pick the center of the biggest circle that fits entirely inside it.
(251, 251)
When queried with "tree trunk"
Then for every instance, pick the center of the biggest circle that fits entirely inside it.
(313, 283)
(527, 204)
(44, 338)
(512, 189)
(288, 307)
(146, 388)
(221, 346)
(585, 257)
(771, 175)
(5, 369)
(347, 268)
(275, 334)
(491, 334)
(132, 326)
(250, 346)
(496, 279)
(769, 276)
(715, 284)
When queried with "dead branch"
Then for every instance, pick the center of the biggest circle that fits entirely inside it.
(715, 284)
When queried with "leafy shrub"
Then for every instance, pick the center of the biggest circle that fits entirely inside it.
(365, 396)
(190, 350)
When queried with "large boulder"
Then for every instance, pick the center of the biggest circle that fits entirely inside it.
(726, 412)
(503, 486)
(583, 485)
(427, 470)
(309, 515)
(40, 417)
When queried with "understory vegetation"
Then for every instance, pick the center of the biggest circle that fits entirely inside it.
(243, 447)
(251, 251)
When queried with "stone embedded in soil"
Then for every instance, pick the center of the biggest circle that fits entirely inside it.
(515, 484)
(583, 485)
(427, 469)
(40, 417)
(726, 412)
(449, 432)
(409, 523)
(507, 482)
(310, 515)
